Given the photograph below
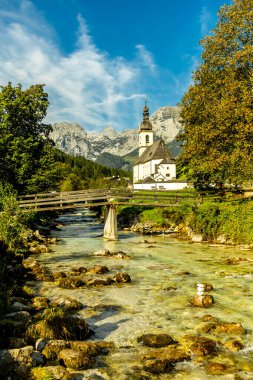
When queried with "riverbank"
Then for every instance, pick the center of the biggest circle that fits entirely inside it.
(216, 222)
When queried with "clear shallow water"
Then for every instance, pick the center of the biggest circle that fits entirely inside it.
(145, 306)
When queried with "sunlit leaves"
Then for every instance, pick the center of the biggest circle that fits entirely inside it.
(217, 110)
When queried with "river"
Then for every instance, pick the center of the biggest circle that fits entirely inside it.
(121, 313)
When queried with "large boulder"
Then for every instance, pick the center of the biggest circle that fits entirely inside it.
(75, 359)
(17, 363)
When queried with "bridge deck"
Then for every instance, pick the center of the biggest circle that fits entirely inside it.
(101, 197)
(91, 198)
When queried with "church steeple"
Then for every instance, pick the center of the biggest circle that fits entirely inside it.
(145, 131)
(145, 124)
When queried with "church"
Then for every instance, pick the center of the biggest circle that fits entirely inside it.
(155, 168)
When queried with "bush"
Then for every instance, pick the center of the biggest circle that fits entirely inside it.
(11, 218)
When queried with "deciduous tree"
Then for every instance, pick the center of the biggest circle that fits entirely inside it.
(217, 110)
(26, 159)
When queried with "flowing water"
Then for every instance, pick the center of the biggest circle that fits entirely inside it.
(121, 313)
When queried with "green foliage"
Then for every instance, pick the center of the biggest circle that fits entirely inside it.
(82, 173)
(204, 220)
(217, 109)
(233, 221)
(11, 219)
(113, 161)
(154, 216)
(26, 158)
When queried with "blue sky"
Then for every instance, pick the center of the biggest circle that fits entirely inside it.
(100, 59)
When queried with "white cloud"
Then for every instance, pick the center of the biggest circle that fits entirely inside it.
(87, 86)
(146, 58)
(205, 21)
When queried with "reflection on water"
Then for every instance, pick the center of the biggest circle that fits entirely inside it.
(122, 313)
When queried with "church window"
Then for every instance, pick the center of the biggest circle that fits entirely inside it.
(147, 139)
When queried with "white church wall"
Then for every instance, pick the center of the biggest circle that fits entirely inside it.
(167, 170)
(161, 186)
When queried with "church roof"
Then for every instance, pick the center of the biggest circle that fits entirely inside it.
(157, 151)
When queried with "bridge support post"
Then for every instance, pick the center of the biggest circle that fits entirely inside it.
(110, 223)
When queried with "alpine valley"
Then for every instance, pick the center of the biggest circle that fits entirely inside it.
(116, 149)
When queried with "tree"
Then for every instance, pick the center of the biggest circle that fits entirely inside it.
(26, 158)
(217, 110)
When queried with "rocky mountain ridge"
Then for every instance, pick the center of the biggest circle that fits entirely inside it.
(73, 139)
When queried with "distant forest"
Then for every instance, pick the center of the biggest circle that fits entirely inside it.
(81, 173)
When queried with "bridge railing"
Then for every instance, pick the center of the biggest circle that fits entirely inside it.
(95, 197)
(70, 199)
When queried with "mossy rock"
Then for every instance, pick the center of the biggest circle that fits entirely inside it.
(99, 281)
(40, 303)
(99, 269)
(226, 328)
(157, 366)
(58, 323)
(121, 278)
(68, 303)
(90, 348)
(49, 373)
(200, 346)
(53, 348)
(156, 340)
(75, 359)
(218, 369)
(71, 283)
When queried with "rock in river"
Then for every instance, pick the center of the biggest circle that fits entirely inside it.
(121, 278)
(205, 300)
(156, 340)
(75, 359)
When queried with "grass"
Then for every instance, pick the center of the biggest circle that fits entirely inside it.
(231, 219)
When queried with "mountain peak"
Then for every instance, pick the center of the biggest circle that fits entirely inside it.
(72, 137)
(109, 132)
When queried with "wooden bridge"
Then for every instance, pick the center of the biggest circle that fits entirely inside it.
(101, 197)
(109, 198)
(93, 197)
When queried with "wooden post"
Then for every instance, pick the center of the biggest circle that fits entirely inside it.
(110, 223)
(36, 198)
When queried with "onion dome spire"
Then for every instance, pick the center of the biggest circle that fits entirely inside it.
(145, 124)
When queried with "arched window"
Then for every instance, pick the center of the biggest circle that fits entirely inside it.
(147, 139)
